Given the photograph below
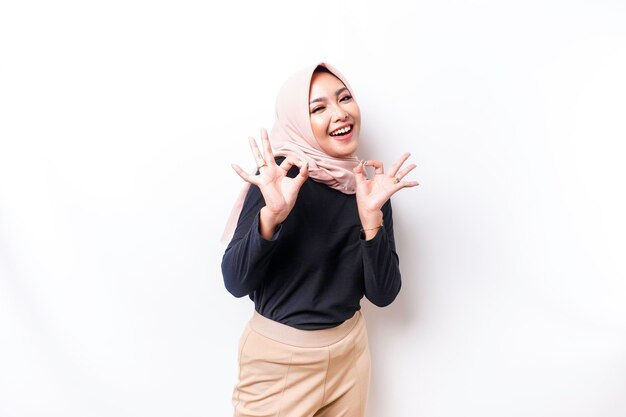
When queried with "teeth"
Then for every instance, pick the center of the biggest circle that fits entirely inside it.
(341, 131)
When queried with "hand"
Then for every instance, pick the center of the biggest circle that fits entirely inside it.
(279, 191)
(372, 193)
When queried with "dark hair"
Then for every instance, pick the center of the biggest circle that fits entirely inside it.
(321, 68)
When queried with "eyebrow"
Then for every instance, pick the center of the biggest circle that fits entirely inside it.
(341, 90)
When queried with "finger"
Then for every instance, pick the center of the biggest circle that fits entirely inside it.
(304, 169)
(359, 173)
(303, 174)
(378, 166)
(402, 184)
(400, 174)
(258, 157)
(396, 166)
(287, 163)
(406, 184)
(267, 147)
(243, 174)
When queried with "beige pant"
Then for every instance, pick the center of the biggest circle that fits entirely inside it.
(287, 372)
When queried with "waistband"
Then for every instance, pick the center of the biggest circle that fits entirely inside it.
(303, 338)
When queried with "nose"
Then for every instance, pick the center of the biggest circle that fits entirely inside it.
(339, 114)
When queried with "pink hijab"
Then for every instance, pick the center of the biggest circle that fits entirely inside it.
(292, 135)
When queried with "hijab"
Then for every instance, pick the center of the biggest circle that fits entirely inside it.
(292, 135)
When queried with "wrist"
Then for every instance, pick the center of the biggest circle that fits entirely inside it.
(371, 220)
(268, 222)
(370, 233)
(370, 229)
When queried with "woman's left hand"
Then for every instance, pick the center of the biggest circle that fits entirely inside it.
(372, 193)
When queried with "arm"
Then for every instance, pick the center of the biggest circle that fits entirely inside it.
(269, 201)
(380, 261)
(381, 265)
(247, 256)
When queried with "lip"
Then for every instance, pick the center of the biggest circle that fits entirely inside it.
(340, 127)
(344, 137)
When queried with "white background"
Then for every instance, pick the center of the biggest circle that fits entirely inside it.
(118, 124)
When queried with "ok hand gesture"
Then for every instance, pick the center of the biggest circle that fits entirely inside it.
(372, 193)
(279, 191)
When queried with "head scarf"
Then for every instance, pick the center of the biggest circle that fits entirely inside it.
(292, 135)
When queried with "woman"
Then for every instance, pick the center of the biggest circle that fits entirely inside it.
(314, 235)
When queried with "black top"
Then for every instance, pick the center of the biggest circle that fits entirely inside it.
(316, 268)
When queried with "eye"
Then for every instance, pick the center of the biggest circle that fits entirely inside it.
(347, 97)
(318, 109)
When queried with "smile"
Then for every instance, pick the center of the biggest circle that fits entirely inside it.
(341, 131)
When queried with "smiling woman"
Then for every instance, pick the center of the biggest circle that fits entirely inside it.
(335, 115)
(313, 236)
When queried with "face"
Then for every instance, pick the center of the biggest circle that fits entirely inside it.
(335, 116)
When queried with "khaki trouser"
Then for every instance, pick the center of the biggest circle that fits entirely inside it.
(287, 372)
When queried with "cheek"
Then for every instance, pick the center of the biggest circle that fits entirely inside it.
(318, 124)
(356, 113)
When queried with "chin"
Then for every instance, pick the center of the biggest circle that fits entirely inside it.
(344, 152)
(339, 148)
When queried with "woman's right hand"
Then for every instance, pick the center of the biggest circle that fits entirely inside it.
(279, 191)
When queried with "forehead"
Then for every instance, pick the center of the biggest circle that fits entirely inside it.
(324, 84)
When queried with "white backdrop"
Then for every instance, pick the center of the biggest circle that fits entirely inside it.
(118, 124)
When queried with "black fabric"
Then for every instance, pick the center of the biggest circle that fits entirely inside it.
(316, 268)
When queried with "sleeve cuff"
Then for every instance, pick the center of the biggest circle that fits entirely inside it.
(373, 241)
(255, 228)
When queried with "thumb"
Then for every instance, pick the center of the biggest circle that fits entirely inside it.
(303, 174)
(359, 173)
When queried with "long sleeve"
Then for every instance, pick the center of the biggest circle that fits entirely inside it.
(246, 259)
(381, 264)
(313, 273)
